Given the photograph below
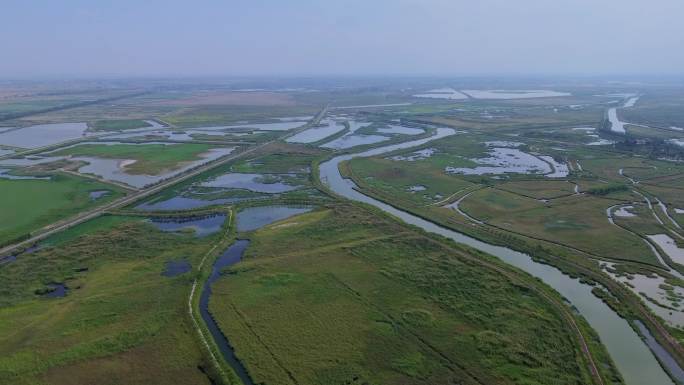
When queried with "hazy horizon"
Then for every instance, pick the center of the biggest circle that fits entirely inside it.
(351, 38)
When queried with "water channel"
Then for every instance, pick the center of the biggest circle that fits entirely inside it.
(632, 356)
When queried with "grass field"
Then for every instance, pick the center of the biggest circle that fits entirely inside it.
(151, 159)
(121, 321)
(577, 221)
(27, 205)
(397, 178)
(280, 158)
(540, 189)
(341, 296)
(214, 115)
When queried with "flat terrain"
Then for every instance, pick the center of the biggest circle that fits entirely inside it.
(344, 294)
(341, 296)
(150, 159)
(27, 205)
(122, 321)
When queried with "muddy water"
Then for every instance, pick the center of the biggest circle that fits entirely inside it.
(631, 355)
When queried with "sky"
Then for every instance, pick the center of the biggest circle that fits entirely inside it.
(89, 38)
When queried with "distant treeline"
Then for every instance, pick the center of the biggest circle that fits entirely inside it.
(607, 189)
(652, 148)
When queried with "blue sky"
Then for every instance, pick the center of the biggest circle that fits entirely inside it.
(351, 37)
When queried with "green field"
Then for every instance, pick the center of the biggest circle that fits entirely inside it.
(567, 221)
(397, 178)
(540, 190)
(27, 205)
(215, 115)
(121, 321)
(341, 296)
(151, 159)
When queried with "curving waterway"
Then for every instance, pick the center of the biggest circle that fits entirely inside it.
(631, 355)
(231, 256)
(249, 219)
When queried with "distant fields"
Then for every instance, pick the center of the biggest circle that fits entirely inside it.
(151, 159)
(27, 205)
(341, 296)
(214, 115)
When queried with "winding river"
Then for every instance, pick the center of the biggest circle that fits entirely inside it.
(631, 355)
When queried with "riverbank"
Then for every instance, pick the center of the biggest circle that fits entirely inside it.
(550, 275)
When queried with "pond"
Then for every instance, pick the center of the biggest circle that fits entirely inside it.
(505, 160)
(263, 183)
(253, 218)
(176, 268)
(6, 174)
(56, 290)
(200, 226)
(29, 160)
(314, 134)
(114, 169)
(669, 246)
(97, 194)
(651, 288)
(43, 134)
(350, 139)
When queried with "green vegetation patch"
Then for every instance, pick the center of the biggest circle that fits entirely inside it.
(608, 189)
(277, 163)
(202, 116)
(539, 189)
(99, 224)
(28, 204)
(342, 296)
(121, 320)
(418, 182)
(150, 159)
(577, 221)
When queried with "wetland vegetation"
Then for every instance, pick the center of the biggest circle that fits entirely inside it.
(563, 237)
